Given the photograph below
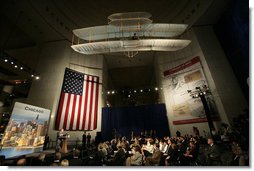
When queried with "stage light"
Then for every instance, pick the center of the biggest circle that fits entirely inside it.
(108, 92)
(135, 91)
(32, 75)
(204, 92)
(129, 96)
(156, 88)
(16, 66)
(113, 92)
(12, 63)
(6, 60)
(37, 77)
(21, 68)
(141, 90)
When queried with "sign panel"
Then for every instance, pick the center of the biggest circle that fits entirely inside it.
(26, 130)
(180, 79)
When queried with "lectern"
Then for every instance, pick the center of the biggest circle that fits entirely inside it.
(63, 138)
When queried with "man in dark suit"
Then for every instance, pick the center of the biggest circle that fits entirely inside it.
(76, 161)
(212, 153)
(182, 147)
(119, 157)
(84, 140)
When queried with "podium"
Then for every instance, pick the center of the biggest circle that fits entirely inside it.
(64, 147)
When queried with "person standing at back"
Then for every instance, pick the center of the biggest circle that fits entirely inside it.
(84, 140)
(88, 137)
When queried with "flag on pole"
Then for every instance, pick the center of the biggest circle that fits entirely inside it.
(78, 105)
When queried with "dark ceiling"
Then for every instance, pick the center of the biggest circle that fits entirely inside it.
(28, 23)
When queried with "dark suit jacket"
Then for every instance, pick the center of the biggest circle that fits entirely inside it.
(119, 158)
(154, 159)
(75, 162)
(213, 152)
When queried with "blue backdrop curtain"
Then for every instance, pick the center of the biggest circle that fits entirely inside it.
(135, 118)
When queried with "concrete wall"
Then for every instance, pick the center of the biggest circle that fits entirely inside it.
(52, 60)
(218, 74)
(227, 86)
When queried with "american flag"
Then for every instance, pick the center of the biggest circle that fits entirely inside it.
(78, 103)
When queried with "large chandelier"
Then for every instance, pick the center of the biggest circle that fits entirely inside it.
(129, 33)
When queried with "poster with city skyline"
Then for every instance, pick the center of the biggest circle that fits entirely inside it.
(26, 130)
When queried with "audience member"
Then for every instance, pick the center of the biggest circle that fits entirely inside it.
(64, 162)
(21, 162)
(212, 153)
(136, 158)
(76, 161)
(155, 158)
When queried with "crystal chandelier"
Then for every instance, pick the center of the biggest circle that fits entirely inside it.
(129, 33)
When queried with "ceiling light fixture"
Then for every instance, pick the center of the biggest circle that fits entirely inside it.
(129, 33)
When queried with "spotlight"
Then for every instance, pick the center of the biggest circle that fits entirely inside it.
(156, 88)
(108, 92)
(21, 68)
(204, 92)
(113, 92)
(129, 95)
(135, 91)
(16, 66)
(37, 77)
(32, 75)
(12, 63)
(6, 60)
(141, 90)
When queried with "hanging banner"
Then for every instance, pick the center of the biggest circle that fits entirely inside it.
(26, 130)
(180, 79)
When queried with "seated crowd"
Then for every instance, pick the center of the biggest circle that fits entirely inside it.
(226, 147)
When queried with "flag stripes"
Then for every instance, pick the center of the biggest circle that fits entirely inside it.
(78, 105)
